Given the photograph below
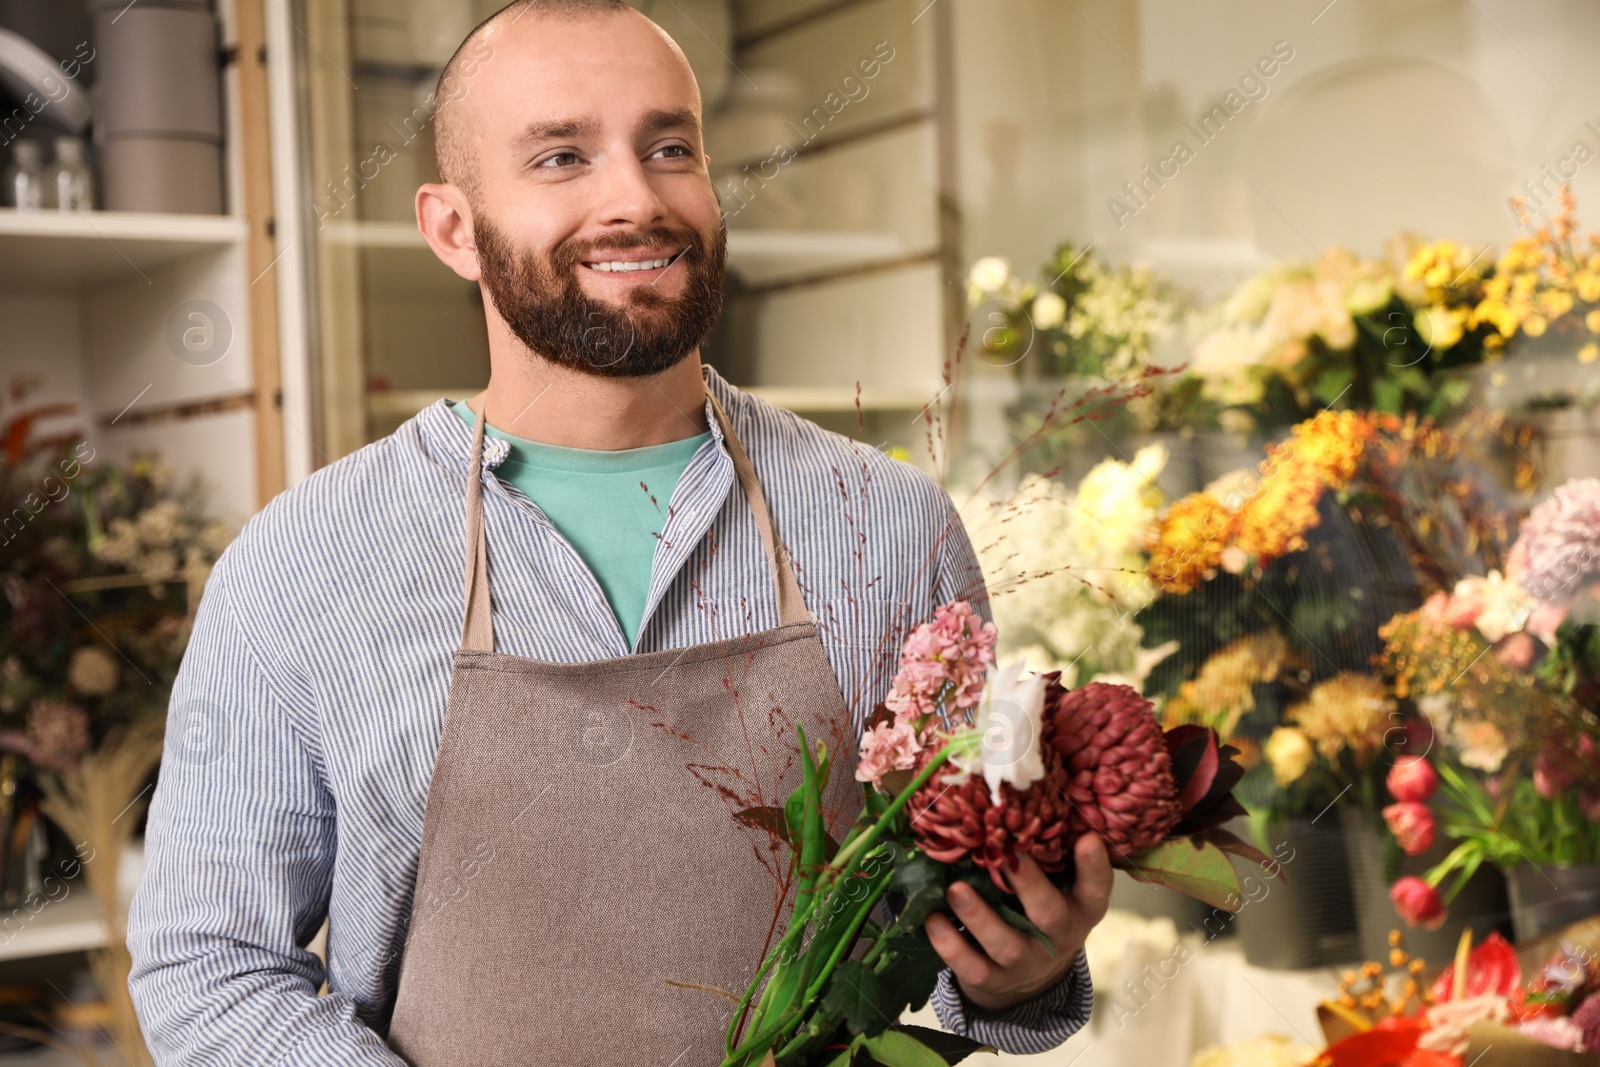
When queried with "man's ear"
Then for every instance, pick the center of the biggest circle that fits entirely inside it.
(445, 220)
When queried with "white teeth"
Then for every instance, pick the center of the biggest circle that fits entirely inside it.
(629, 267)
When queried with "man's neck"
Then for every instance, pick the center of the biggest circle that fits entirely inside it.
(555, 405)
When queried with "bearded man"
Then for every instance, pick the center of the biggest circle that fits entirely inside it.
(461, 693)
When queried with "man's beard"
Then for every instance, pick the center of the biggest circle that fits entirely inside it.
(549, 311)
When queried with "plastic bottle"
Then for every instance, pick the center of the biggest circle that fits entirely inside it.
(74, 184)
(25, 176)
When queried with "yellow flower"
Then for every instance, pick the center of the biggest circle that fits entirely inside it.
(1588, 353)
(1289, 753)
(1223, 691)
(1534, 325)
(1592, 320)
(1556, 302)
(1439, 326)
(1587, 283)
(1346, 712)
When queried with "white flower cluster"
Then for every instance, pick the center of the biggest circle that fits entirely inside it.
(160, 544)
(1066, 574)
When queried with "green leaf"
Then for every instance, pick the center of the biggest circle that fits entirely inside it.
(896, 1048)
(853, 993)
(1332, 382)
(1203, 873)
(913, 971)
(923, 882)
(1386, 395)
(953, 1047)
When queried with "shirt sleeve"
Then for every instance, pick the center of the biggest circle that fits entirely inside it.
(1046, 1021)
(239, 852)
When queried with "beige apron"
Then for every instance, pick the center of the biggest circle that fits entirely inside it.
(573, 858)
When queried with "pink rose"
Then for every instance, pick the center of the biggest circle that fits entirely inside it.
(889, 746)
(1418, 903)
(1589, 804)
(1516, 651)
(1466, 603)
(1412, 779)
(1436, 606)
(1412, 825)
(1545, 620)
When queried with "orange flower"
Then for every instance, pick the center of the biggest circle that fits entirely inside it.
(1189, 542)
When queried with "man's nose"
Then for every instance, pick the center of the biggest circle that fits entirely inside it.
(627, 194)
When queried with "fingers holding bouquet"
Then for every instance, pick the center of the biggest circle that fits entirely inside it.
(1008, 966)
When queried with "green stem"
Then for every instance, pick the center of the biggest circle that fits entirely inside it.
(844, 863)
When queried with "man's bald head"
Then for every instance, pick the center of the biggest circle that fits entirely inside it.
(452, 154)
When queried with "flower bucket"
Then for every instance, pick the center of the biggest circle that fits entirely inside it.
(1481, 904)
(1548, 898)
(1306, 919)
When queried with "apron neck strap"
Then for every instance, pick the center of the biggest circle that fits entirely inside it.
(791, 605)
(477, 631)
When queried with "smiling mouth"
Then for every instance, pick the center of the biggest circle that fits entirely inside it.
(634, 266)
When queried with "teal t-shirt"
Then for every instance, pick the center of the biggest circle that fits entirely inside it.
(595, 499)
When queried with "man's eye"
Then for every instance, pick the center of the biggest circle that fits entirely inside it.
(551, 162)
(677, 148)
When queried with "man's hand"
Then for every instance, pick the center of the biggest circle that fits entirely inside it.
(1013, 966)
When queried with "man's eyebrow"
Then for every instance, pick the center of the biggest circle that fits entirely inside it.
(657, 119)
(654, 121)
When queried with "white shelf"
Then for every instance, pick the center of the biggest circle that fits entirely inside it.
(71, 924)
(48, 251)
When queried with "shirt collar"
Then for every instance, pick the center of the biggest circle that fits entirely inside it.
(451, 438)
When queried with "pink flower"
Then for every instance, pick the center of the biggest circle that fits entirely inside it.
(889, 746)
(1412, 779)
(943, 660)
(1545, 620)
(1556, 1031)
(1412, 825)
(1560, 541)
(1516, 651)
(1436, 607)
(1589, 804)
(1418, 903)
(1466, 603)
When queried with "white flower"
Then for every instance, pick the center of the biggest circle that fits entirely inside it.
(1227, 361)
(1010, 718)
(1049, 311)
(1450, 1023)
(990, 273)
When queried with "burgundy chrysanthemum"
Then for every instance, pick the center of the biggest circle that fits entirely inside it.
(1107, 770)
(1122, 785)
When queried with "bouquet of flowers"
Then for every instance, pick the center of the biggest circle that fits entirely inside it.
(1506, 668)
(964, 769)
(1480, 1010)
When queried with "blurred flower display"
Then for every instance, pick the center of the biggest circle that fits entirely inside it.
(99, 585)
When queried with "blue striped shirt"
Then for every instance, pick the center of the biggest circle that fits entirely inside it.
(307, 713)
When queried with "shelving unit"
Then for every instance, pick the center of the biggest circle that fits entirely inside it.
(72, 924)
(90, 301)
